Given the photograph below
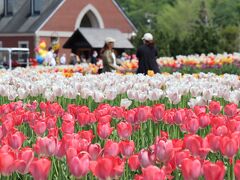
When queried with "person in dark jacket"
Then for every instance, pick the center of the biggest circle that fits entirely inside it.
(147, 55)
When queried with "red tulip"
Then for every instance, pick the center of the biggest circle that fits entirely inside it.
(158, 112)
(127, 148)
(102, 168)
(40, 127)
(105, 119)
(133, 162)
(196, 145)
(179, 116)
(117, 112)
(237, 170)
(191, 168)
(104, 130)
(46, 146)
(40, 168)
(24, 159)
(169, 116)
(213, 141)
(153, 173)
(94, 151)
(7, 163)
(164, 150)
(83, 119)
(111, 148)
(124, 130)
(78, 164)
(88, 135)
(118, 167)
(220, 130)
(68, 127)
(214, 171)
(231, 109)
(130, 116)
(68, 117)
(228, 146)
(180, 156)
(53, 132)
(215, 107)
(233, 125)
(199, 110)
(16, 139)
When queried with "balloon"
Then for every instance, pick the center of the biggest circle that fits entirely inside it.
(36, 49)
(43, 45)
(44, 53)
(40, 59)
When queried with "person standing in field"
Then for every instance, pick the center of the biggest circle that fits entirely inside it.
(147, 55)
(109, 58)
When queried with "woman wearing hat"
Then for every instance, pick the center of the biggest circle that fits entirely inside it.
(147, 55)
(109, 57)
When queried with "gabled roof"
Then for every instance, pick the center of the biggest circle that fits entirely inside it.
(22, 22)
(95, 38)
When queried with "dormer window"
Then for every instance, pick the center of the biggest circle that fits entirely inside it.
(8, 7)
(36, 7)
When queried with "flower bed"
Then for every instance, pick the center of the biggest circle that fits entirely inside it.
(111, 126)
(219, 64)
(147, 142)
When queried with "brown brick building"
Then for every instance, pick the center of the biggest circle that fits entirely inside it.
(24, 22)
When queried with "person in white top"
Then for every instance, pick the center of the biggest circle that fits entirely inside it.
(63, 59)
(50, 59)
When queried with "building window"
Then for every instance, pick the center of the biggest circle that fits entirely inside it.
(8, 7)
(23, 44)
(36, 7)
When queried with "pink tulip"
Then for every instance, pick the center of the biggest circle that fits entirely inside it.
(104, 130)
(94, 151)
(40, 168)
(231, 109)
(7, 163)
(237, 169)
(164, 150)
(127, 148)
(191, 168)
(111, 148)
(24, 159)
(228, 146)
(124, 130)
(79, 164)
(40, 127)
(153, 173)
(16, 139)
(215, 107)
(46, 146)
(144, 158)
(158, 112)
(88, 135)
(133, 162)
(214, 171)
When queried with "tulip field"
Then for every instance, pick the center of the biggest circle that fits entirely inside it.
(110, 126)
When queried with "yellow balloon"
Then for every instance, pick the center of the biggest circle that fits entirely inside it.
(44, 54)
(41, 51)
(43, 45)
